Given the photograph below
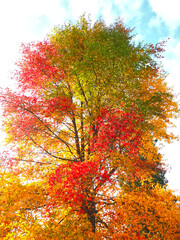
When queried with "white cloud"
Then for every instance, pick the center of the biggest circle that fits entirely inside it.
(155, 21)
(80, 7)
(130, 9)
(20, 16)
(171, 63)
(94, 8)
(107, 12)
(127, 9)
(33, 8)
(167, 11)
(20, 22)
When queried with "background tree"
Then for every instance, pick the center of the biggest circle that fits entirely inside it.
(81, 125)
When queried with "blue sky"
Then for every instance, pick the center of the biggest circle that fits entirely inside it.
(154, 21)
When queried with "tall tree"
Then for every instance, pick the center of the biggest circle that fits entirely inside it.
(81, 126)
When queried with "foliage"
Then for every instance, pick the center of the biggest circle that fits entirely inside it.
(81, 127)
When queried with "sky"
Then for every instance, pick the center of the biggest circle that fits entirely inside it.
(153, 20)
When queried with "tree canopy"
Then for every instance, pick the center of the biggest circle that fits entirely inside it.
(82, 125)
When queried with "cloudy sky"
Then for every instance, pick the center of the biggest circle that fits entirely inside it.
(154, 21)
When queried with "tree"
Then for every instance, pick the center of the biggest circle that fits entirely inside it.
(81, 126)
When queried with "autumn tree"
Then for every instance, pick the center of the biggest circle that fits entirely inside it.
(81, 128)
